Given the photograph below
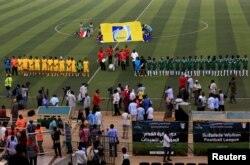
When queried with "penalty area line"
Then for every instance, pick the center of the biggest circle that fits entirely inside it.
(143, 11)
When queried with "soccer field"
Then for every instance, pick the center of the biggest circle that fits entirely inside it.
(180, 28)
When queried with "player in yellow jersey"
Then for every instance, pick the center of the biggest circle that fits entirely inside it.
(37, 66)
(56, 67)
(86, 67)
(61, 66)
(73, 67)
(20, 64)
(25, 64)
(68, 66)
(50, 66)
(44, 65)
(31, 63)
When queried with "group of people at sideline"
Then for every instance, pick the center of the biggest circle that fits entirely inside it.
(50, 66)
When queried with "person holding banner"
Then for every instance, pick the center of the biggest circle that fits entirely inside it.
(167, 139)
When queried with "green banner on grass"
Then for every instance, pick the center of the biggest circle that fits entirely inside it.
(148, 137)
(212, 135)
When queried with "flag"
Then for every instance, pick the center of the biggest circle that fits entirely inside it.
(83, 33)
(122, 32)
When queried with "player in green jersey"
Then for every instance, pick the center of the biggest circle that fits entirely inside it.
(213, 66)
(177, 64)
(171, 67)
(190, 66)
(167, 66)
(232, 65)
(195, 66)
(154, 67)
(226, 66)
(149, 66)
(219, 63)
(244, 66)
(183, 65)
(237, 66)
(201, 63)
(161, 63)
(207, 65)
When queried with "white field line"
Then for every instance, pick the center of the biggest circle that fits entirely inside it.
(118, 42)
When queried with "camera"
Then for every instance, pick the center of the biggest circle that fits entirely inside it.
(66, 89)
(110, 90)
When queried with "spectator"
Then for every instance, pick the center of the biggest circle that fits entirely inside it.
(132, 108)
(32, 151)
(113, 141)
(39, 98)
(45, 101)
(31, 128)
(11, 145)
(86, 104)
(14, 110)
(233, 87)
(54, 101)
(52, 125)
(56, 140)
(91, 118)
(23, 141)
(81, 157)
(19, 157)
(170, 93)
(146, 102)
(222, 102)
(3, 112)
(39, 137)
(212, 87)
(72, 103)
(167, 146)
(24, 91)
(68, 137)
(196, 90)
(150, 113)
(210, 102)
(132, 95)
(21, 123)
(125, 157)
(190, 86)
(84, 135)
(98, 118)
(83, 90)
(3, 130)
(94, 134)
(216, 102)
(125, 124)
(140, 113)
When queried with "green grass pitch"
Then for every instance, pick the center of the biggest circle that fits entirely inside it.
(180, 28)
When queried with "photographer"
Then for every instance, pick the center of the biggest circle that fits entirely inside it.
(232, 85)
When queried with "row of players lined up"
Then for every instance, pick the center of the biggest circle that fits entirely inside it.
(46, 66)
(214, 66)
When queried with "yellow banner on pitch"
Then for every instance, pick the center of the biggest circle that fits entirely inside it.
(122, 32)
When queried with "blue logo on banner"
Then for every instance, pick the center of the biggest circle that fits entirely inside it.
(121, 33)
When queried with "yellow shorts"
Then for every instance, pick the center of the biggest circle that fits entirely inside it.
(56, 69)
(68, 69)
(37, 68)
(20, 68)
(86, 70)
(61, 69)
(50, 68)
(44, 68)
